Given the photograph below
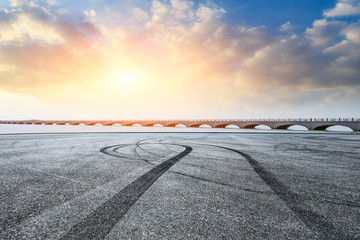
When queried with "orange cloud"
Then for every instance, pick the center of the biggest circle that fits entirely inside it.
(175, 55)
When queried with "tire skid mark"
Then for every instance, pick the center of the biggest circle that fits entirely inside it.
(163, 143)
(308, 148)
(314, 221)
(311, 219)
(310, 198)
(112, 151)
(31, 169)
(138, 145)
(345, 203)
(322, 200)
(223, 184)
(100, 222)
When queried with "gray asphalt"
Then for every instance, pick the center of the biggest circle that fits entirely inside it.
(180, 186)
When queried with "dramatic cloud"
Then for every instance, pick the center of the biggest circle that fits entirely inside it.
(40, 48)
(179, 54)
(344, 8)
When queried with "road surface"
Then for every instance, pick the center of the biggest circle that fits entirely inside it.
(180, 186)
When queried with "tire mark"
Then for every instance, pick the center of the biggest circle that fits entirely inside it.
(310, 198)
(314, 221)
(138, 145)
(223, 184)
(164, 143)
(112, 151)
(311, 219)
(188, 164)
(100, 222)
(295, 202)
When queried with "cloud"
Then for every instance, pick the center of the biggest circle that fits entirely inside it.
(139, 15)
(52, 2)
(324, 32)
(343, 95)
(352, 33)
(344, 8)
(90, 13)
(209, 12)
(302, 64)
(182, 9)
(286, 27)
(183, 52)
(41, 48)
(17, 3)
(30, 22)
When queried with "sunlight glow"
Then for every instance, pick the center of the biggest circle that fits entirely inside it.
(126, 78)
(172, 59)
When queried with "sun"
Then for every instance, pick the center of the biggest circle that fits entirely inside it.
(127, 78)
(124, 79)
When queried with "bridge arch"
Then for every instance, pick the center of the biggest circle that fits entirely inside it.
(227, 125)
(95, 124)
(175, 125)
(263, 127)
(130, 124)
(154, 124)
(181, 125)
(232, 126)
(329, 126)
(341, 128)
(200, 125)
(133, 125)
(298, 127)
(114, 124)
(254, 125)
(204, 125)
(292, 127)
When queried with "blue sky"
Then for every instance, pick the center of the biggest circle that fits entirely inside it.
(273, 13)
(270, 13)
(252, 13)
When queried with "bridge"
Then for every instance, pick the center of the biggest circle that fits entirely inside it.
(309, 123)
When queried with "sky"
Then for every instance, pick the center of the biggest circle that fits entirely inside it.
(179, 59)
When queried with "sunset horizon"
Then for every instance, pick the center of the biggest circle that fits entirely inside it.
(179, 59)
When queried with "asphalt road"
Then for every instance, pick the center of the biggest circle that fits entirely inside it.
(180, 186)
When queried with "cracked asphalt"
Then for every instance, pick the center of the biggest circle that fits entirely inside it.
(180, 186)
